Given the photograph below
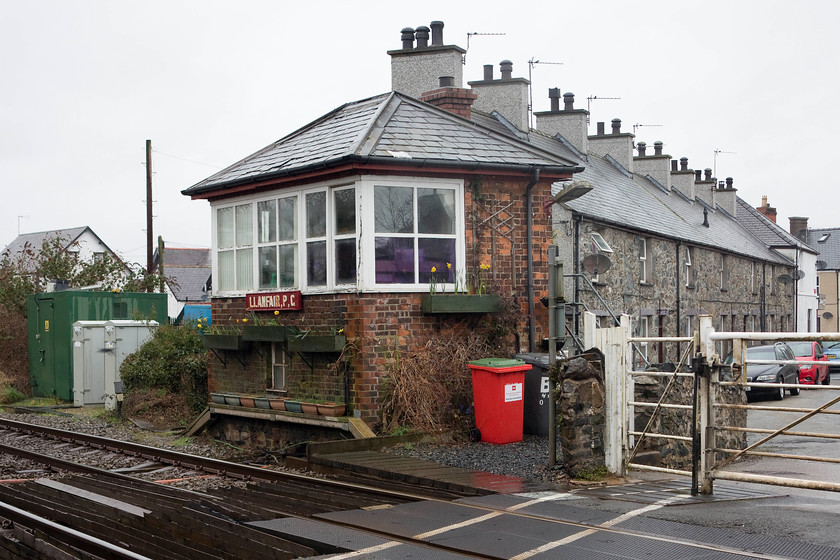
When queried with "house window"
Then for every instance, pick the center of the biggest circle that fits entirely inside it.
(644, 261)
(601, 243)
(754, 277)
(643, 330)
(279, 361)
(415, 229)
(689, 279)
(688, 325)
(723, 272)
(771, 282)
(310, 239)
(818, 286)
(234, 242)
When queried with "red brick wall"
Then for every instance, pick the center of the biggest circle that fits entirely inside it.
(383, 324)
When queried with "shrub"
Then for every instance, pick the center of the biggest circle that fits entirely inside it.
(173, 360)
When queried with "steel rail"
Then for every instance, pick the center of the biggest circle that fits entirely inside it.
(186, 460)
(785, 433)
(773, 408)
(778, 455)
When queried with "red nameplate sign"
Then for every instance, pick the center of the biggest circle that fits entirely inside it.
(274, 301)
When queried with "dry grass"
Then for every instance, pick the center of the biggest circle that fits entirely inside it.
(431, 389)
(14, 359)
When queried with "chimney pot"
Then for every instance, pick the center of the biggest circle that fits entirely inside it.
(422, 34)
(568, 101)
(683, 164)
(488, 72)
(600, 129)
(708, 172)
(764, 201)
(408, 38)
(674, 165)
(642, 147)
(447, 81)
(698, 174)
(721, 185)
(507, 69)
(437, 33)
(616, 126)
(657, 148)
(729, 183)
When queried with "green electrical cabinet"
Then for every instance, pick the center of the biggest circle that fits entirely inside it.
(51, 316)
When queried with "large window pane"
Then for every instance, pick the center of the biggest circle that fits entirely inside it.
(436, 211)
(268, 267)
(244, 225)
(316, 214)
(224, 227)
(345, 261)
(394, 260)
(287, 212)
(245, 269)
(393, 209)
(316, 263)
(286, 266)
(225, 282)
(267, 221)
(436, 253)
(345, 211)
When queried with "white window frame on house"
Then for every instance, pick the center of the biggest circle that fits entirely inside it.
(688, 321)
(643, 330)
(644, 262)
(689, 281)
(723, 272)
(328, 254)
(279, 361)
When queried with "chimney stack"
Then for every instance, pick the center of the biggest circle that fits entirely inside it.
(683, 179)
(416, 69)
(507, 96)
(705, 189)
(768, 211)
(659, 166)
(726, 197)
(618, 145)
(570, 123)
(456, 100)
(799, 227)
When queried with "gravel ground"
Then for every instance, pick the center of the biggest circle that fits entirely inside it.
(527, 459)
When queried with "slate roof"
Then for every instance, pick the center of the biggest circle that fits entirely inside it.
(635, 202)
(187, 272)
(829, 249)
(767, 230)
(36, 240)
(390, 127)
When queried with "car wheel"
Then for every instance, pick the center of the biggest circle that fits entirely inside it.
(780, 395)
(795, 390)
(827, 379)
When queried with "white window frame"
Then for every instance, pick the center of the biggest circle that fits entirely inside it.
(643, 260)
(688, 264)
(365, 236)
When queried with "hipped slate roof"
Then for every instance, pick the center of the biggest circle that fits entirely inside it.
(391, 128)
(36, 240)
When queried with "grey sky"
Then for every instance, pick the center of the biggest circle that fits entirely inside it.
(85, 83)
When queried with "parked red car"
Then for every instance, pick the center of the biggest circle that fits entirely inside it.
(811, 351)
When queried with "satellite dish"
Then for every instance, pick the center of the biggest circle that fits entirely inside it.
(828, 315)
(800, 274)
(785, 278)
(596, 263)
(821, 265)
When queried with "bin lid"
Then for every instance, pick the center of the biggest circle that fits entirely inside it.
(497, 363)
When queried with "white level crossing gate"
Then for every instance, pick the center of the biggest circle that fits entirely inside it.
(716, 426)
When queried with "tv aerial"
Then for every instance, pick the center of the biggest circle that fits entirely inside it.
(592, 98)
(596, 263)
(717, 151)
(474, 34)
(531, 63)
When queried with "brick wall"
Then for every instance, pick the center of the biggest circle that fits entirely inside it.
(378, 326)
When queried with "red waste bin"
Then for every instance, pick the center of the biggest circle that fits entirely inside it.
(498, 385)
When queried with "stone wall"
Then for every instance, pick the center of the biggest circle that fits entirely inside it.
(581, 414)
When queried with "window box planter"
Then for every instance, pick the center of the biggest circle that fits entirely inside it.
(309, 408)
(277, 403)
(318, 343)
(218, 398)
(293, 406)
(263, 403)
(232, 400)
(247, 401)
(264, 333)
(332, 409)
(222, 341)
(460, 303)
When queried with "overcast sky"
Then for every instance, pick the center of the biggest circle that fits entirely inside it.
(85, 83)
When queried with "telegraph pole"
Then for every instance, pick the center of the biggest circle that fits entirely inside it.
(149, 233)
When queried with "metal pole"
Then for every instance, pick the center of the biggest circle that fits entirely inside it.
(556, 332)
(149, 234)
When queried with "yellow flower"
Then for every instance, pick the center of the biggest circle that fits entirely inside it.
(485, 266)
(277, 313)
(243, 320)
(448, 265)
(434, 269)
(200, 325)
(340, 331)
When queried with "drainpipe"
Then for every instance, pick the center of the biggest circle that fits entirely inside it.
(530, 227)
(762, 304)
(576, 255)
(679, 285)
